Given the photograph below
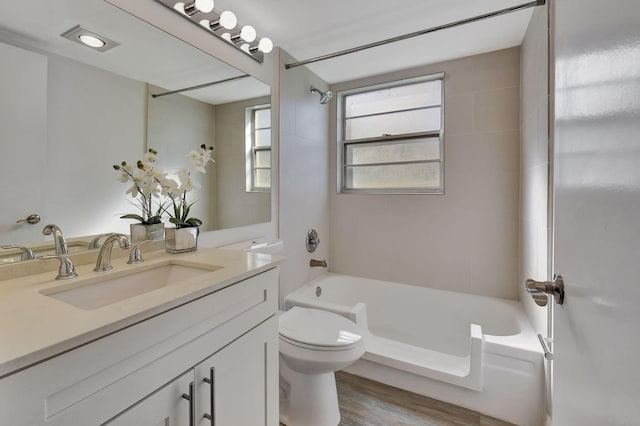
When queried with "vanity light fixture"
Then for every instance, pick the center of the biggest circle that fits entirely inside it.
(89, 39)
(222, 25)
(226, 20)
(193, 7)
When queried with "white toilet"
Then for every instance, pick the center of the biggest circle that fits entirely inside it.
(313, 345)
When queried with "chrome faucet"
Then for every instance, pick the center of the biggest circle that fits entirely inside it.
(27, 253)
(320, 263)
(104, 257)
(58, 238)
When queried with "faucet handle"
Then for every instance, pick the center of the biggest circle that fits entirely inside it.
(136, 256)
(32, 219)
(66, 269)
(27, 253)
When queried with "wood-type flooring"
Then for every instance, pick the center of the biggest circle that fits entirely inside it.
(367, 403)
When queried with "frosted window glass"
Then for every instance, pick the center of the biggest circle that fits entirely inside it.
(258, 148)
(263, 158)
(263, 137)
(392, 137)
(394, 151)
(418, 95)
(262, 178)
(395, 123)
(263, 118)
(407, 176)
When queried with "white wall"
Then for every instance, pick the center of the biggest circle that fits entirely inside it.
(467, 239)
(304, 180)
(237, 207)
(534, 163)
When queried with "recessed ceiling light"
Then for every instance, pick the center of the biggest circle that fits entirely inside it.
(89, 38)
(91, 41)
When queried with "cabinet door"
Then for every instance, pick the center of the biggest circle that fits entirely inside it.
(165, 407)
(239, 383)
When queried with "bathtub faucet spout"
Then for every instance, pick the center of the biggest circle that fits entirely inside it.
(321, 263)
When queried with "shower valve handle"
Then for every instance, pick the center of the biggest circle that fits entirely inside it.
(539, 290)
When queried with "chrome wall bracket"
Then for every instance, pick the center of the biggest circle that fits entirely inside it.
(539, 290)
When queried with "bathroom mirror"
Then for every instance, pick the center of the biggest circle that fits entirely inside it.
(68, 112)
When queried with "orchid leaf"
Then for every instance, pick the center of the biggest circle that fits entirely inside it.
(194, 221)
(133, 216)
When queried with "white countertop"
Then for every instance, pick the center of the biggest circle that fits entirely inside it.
(35, 327)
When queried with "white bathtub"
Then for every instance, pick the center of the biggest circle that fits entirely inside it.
(473, 351)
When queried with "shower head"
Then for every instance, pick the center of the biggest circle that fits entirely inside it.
(325, 97)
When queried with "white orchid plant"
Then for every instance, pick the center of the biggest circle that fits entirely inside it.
(149, 183)
(177, 191)
(145, 187)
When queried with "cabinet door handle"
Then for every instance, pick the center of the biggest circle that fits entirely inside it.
(192, 403)
(212, 394)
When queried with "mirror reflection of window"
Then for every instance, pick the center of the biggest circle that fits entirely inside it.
(258, 148)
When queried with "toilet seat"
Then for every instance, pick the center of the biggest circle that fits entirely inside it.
(318, 330)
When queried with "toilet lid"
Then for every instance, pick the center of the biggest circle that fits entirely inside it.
(318, 328)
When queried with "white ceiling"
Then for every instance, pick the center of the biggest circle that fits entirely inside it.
(309, 28)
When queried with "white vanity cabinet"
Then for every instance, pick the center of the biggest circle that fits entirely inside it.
(233, 383)
(166, 406)
(140, 375)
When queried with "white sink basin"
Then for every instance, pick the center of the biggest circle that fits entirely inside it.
(99, 293)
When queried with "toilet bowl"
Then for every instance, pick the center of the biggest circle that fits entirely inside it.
(314, 344)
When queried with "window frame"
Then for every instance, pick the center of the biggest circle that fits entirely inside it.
(342, 143)
(251, 149)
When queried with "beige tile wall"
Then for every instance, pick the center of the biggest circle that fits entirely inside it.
(534, 163)
(467, 239)
(304, 180)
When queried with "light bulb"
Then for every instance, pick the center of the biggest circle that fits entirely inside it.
(228, 20)
(227, 36)
(193, 7)
(245, 48)
(91, 41)
(248, 33)
(204, 6)
(265, 45)
(179, 6)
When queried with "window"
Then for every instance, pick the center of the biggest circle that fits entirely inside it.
(390, 137)
(258, 148)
